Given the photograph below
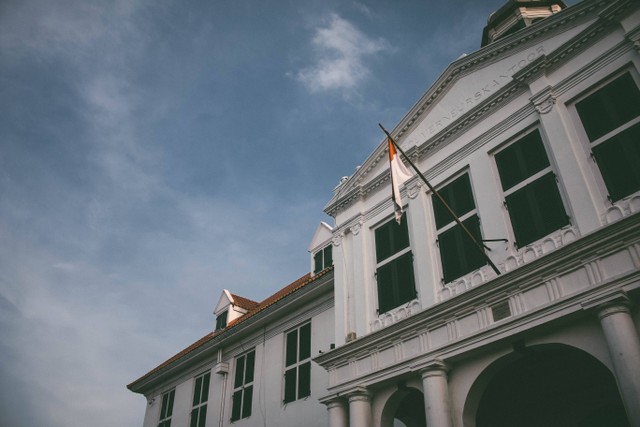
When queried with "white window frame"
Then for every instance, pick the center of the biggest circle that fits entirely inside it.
(202, 404)
(166, 402)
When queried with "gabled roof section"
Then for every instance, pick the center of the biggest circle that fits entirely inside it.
(323, 234)
(303, 282)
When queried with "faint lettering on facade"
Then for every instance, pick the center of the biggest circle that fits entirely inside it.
(472, 99)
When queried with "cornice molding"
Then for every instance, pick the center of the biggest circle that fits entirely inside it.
(607, 240)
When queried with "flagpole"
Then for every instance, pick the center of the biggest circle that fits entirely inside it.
(433, 190)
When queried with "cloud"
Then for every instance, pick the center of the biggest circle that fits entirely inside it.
(341, 51)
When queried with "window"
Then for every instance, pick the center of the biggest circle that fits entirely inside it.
(221, 320)
(531, 193)
(200, 397)
(458, 253)
(243, 386)
(322, 259)
(394, 269)
(297, 375)
(167, 409)
(611, 120)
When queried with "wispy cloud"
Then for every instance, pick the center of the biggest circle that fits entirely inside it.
(341, 51)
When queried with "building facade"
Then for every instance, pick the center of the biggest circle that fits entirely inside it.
(533, 142)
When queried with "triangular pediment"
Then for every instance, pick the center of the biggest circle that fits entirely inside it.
(322, 236)
(224, 302)
(468, 84)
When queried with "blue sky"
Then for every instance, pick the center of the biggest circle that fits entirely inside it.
(155, 152)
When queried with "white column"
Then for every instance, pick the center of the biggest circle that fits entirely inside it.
(624, 348)
(337, 411)
(436, 395)
(360, 408)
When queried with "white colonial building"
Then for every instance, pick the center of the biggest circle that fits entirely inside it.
(534, 143)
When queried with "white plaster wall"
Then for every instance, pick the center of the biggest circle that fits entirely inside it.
(267, 407)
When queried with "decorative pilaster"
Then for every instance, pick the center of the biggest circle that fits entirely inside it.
(360, 408)
(624, 349)
(436, 395)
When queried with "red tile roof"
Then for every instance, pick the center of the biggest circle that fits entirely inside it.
(245, 303)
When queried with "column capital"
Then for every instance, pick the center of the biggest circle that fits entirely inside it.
(359, 394)
(435, 368)
(617, 302)
(333, 401)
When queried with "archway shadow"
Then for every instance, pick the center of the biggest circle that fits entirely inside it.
(545, 385)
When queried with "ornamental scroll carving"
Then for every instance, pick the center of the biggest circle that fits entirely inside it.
(545, 102)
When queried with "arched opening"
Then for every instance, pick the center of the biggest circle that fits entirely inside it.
(405, 408)
(545, 385)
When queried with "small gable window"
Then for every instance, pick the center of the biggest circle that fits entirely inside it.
(531, 193)
(611, 119)
(322, 259)
(394, 269)
(221, 320)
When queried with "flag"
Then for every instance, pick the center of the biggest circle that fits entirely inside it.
(399, 175)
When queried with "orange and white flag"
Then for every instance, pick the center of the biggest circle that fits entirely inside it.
(399, 175)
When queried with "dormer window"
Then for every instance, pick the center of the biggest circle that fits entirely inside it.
(221, 320)
(322, 259)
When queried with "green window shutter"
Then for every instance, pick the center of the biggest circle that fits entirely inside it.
(395, 283)
(521, 160)
(304, 380)
(163, 409)
(239, 377)
(391, 238)
(202, 417)
(383, 242)
(236, 405)
(458, 253)
(290, 385)
(247, 401)
(305, 342)
(172, 395)
(610, 107)
(205, 388)
(292, 348)
(194, 418)
(250, 363)
(618, 160)
(328, 256)
(536, 210)
(317, 262)
(384, 277)
(458, 196)
(196, 391)
(405, 285)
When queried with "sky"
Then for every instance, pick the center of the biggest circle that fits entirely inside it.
(156, 152)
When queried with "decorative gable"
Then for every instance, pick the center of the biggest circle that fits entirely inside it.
(320, 248)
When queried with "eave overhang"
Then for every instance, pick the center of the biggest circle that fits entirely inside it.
(206, 347)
